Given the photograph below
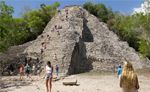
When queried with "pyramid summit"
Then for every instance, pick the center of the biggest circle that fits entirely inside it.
(77, 41)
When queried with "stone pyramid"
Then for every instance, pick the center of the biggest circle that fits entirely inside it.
(77, 42)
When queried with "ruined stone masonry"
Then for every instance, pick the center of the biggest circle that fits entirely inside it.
(78, 42)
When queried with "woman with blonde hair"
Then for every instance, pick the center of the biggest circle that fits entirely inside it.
(129, 80)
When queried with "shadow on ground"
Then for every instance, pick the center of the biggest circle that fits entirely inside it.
(6, 84)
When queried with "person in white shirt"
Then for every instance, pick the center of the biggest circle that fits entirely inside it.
(48, 77)
(33, 69)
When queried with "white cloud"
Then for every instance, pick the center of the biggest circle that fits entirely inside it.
(144, 8)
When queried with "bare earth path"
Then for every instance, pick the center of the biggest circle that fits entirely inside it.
(88, 83)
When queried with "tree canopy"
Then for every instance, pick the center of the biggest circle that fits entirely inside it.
(15, 31)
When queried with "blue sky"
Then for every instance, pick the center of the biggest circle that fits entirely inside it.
(124, 6)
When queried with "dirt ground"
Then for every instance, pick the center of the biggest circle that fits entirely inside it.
(88, 82)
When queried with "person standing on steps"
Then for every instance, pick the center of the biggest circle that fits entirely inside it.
(66, 11)
(129, 80)
(48, 77)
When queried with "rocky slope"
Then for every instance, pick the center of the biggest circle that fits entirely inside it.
(78, 42)
(10, 59)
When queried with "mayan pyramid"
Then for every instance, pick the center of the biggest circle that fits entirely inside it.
(77, 42)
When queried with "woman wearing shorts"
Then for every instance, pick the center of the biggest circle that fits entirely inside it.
(49, 72)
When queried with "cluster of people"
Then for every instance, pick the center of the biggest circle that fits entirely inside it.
(44, 43)
(128, 78)
(26, 70)
(61, 16)
(57, 27)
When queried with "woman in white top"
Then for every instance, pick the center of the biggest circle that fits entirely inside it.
(49, 72)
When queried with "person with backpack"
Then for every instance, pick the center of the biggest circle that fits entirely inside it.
(27, 70)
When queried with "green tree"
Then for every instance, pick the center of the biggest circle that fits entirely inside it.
(5, 10)
(5, 24)
(90, 7)
(99, 10)
(144, 48)
(102, 12)
(15, 31)
(38, 19)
